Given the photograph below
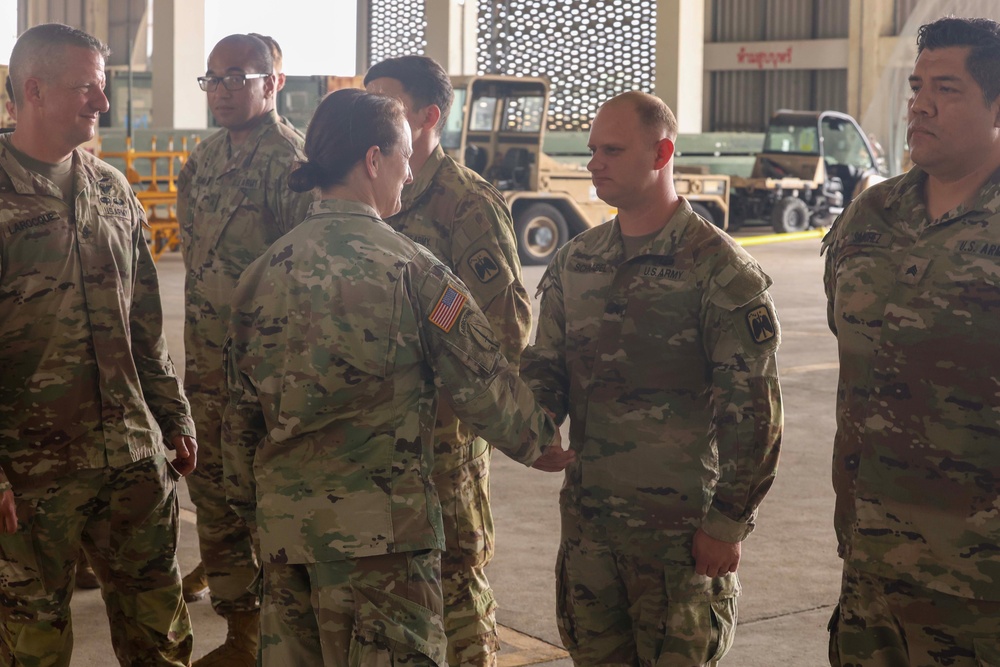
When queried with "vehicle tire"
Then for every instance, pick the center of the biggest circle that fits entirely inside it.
(540, 230)
(704, 212)
(790, 215)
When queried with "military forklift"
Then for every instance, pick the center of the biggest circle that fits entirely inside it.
(496, 128)
(812, 165)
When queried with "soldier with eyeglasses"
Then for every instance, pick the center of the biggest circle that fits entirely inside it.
(233, 202)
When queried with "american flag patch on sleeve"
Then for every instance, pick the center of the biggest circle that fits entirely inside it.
(447, 310)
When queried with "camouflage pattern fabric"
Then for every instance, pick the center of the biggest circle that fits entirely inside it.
(913, 303)
(340, 333)
(86, 381)
(379, 610)
(887, 622)
(465, 223)
(233, 203)
(126, 519)
(665, 365)
(623, 606)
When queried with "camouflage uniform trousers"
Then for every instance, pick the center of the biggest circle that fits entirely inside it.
(890, 623)
(469, 603)
(378, 610)
(625, 607)
(224, 541)
(127, 522)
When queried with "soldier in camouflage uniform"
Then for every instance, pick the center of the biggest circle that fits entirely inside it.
(657, 339)
(465, 223)
(340, 334)
(913, 288)
(88, 392)
(233, 202)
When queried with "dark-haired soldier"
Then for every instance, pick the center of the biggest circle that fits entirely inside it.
(233, 201)
(465, 223)
(341, 334)
(89, 400)
(913, 294)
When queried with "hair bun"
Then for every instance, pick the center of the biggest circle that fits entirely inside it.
(307, 176)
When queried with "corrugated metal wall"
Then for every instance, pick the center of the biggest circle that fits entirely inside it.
(742, 101)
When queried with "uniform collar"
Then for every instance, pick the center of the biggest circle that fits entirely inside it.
(25, 182)
(908, 193)
(243, 154)
(665, 241)
(422, 180)
(342, 207)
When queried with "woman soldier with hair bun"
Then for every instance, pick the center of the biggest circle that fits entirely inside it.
(340, 335)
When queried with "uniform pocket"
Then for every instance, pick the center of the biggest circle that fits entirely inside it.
(987, 651)
(19, 551)
(390, 630)
(467, 519)
(699, 625)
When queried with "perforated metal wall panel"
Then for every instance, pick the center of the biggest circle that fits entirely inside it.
(396, 28)
(590, 50)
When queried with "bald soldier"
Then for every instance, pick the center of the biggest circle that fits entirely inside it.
(89, 400)
(465, 223)
(233, 202)
(657, 339)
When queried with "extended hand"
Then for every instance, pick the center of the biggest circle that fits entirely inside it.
(8, 513)
(187, 454)
(712, 557)
(554, 458)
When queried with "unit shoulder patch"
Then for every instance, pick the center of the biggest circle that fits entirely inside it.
(761, 323)
(484, 265)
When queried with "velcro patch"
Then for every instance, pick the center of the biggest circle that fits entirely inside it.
(447, 310)
(761, 323)
(484, 265)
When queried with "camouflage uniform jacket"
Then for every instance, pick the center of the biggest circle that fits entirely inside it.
(665, 365)
(232, 203)
(86, 381)
(465, 223)
(915, 305)
(340, 333)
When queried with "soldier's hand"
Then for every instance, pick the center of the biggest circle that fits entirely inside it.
(8, 513)
(187, 454)
(712, 557)
(554, 458)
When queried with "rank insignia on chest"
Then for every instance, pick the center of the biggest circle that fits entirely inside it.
(447, 310)
(761, 324)
(484, 265)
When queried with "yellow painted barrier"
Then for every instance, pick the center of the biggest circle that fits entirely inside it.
(777, 238)
(157, 191)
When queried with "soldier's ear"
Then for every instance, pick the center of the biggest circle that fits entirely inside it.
(429, 117)
(664, 151)
(373, 160)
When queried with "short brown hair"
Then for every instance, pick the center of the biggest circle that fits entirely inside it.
(37, 51)
(652, 111)
(346, 124)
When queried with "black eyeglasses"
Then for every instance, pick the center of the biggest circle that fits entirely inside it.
(231, 81)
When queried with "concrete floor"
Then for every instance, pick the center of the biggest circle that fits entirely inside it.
(790, 571)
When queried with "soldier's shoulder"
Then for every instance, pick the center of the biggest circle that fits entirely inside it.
(465, 182)
(285, 137)
(871, 202)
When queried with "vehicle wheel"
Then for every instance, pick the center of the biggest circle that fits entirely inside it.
(704, 212)
(541, 230)
(790, 215)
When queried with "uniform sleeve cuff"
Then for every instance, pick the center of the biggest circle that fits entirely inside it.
(721, 527)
